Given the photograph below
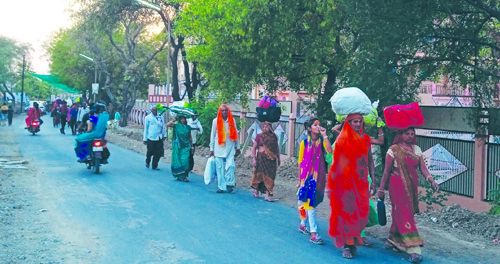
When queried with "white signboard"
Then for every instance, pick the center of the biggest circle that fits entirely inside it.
(95, 88)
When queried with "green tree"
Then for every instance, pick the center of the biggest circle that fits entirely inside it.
(11, 59)
(384, 47)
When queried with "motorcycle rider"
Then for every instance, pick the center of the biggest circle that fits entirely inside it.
(97, 126)
(34, 113)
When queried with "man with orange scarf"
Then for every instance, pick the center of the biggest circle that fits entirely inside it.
(348, 185)
(224, 146)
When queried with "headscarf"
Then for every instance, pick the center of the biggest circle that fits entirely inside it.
(399, 137)
(221, 132)
(353, 116)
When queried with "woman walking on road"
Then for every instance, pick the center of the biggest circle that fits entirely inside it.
(401, 164)
(312, 176)
(63, 115)
(265, 160)
(349, 186)
(182, 146)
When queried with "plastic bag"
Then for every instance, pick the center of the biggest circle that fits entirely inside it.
(351, 101)
(210, 171)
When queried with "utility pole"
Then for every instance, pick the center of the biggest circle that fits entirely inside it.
(22, 85)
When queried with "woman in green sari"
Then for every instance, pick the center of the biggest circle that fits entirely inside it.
(181, 148)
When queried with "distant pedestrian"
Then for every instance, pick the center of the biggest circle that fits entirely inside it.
(312, 172)
(402, 161)
(154, 135)
(63, 115)
(4, 110)
(82, 110)
(196, 129)
(265, 160)
(73, 115)
(181, 148)
(224, 147)
(55, 114)
(10, 114)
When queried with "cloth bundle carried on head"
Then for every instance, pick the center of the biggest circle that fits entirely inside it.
(351, 100)
(268, 110)
(400, 117)
(370, 120)
(180, 108)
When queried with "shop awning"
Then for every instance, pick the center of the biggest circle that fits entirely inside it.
(54, 82)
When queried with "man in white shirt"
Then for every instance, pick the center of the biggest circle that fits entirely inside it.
(154, 135)
(81, 112)
(196, 129)
(224, 146)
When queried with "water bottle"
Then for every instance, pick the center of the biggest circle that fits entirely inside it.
(382, 219)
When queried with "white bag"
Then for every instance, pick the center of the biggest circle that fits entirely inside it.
(210, 171)
(351, 101)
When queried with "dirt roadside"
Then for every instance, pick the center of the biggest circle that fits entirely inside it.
(29, 232)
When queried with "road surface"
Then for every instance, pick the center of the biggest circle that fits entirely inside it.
(131, 214)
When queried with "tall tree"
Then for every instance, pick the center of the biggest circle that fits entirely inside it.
(11, 59)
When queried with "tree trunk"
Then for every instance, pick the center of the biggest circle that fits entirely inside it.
(175, 70)
(324, 105)
(196, 80)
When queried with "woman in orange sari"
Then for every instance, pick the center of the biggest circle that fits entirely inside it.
(401, 164)
(348, 185)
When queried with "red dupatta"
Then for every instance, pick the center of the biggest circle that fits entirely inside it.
(348, 183)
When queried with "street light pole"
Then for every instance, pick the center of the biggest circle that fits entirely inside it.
(95, 70)
(22, 85)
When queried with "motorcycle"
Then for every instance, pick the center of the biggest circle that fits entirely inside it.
(34, 127)
(98, 155)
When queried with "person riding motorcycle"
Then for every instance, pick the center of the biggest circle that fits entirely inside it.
(34, 113)
(96, 128)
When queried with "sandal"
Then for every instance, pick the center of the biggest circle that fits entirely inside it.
(415, 258)
(366, 242)
(353, 248)
(185, 180)
(346, 253)
(389, 245)
(255, 194)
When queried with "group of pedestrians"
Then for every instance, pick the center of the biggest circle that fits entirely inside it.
(348, 179)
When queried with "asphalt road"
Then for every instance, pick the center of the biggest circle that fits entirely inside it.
(131, 214)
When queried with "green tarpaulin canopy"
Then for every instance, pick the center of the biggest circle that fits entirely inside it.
(54, 82)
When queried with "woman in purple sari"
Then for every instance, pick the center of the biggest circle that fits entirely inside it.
(401, 164)
(312, 177)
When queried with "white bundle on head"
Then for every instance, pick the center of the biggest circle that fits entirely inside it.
(351, 100)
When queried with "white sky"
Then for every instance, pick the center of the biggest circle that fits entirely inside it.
(33, 22)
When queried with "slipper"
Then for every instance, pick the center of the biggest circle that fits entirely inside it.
(269, 199)
(389, 245)
(366, 242)
(415, 258)
(255, 194)
(185, 180)
(346, 253)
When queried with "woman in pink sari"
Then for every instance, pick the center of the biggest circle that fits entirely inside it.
(33, 114)
(401, 164)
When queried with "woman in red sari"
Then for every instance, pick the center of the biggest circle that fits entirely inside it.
(401, 164)
(348, 185)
